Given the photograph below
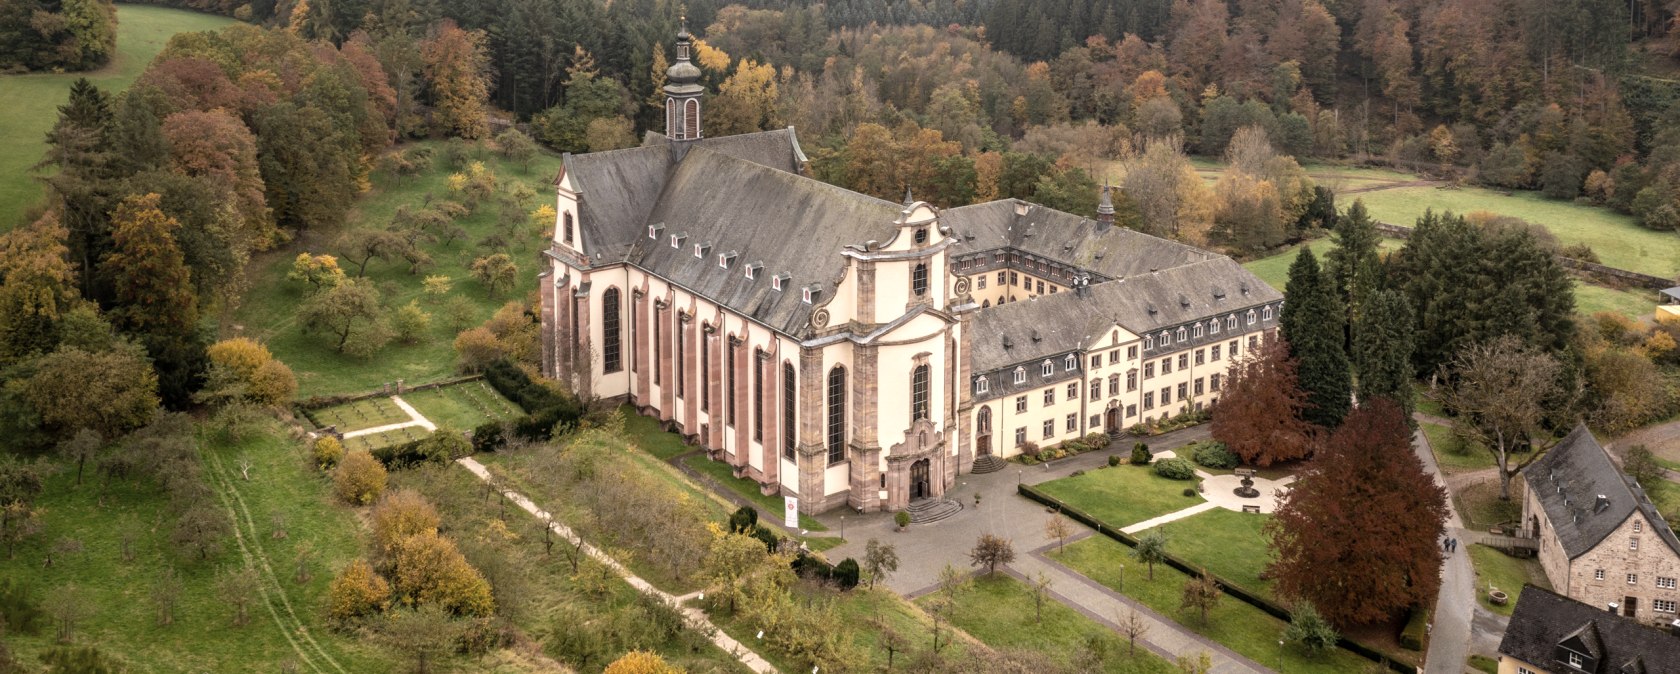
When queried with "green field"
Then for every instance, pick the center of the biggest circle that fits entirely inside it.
(1495, 569)
(1455, 455)
(269, 311)
(31, 101)
(462, 407)
(117, 594)
(1274, 268)
(1239, 626)
(999, 611)
(1618, 240)
(1228, 544)
(860, 613)
(1636, 304)
(1122, 495)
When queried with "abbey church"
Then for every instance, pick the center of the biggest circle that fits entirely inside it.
(859, 353)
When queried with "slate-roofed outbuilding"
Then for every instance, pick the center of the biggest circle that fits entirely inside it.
(1546, 628)
(1569, 481)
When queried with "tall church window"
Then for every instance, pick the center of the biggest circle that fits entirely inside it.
(919, 393)
(566, 228)
(609, 328)
(682, 364)
(729, 385)
(985, 421)
(758, 395)
(705, 373)
(836, 414)
(790, 412)
(658, 340)
(918, 279)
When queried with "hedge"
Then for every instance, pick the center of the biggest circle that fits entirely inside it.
(545, 408)
(441, 447)
(1195, 571)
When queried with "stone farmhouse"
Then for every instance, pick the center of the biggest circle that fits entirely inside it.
(1601, 540)
(855, 352)
(1553, 634)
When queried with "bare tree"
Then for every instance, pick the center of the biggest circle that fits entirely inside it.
(68, 606)
(166, 594)
(990, 551)
(239, 590)
(1059, 528)
(1134, 626)
(1504, 392)
(1040, 589)
(880, 560)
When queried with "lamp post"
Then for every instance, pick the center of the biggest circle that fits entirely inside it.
(1280, 656)
(842, 527)
(1122, 578)
(1018, 472)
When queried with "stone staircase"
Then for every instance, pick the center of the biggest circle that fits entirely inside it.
(989, 463)
(930, 510)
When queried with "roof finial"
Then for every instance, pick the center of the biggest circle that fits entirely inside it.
(908, 199)
(1105, 208)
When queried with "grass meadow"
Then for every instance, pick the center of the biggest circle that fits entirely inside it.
(999, 610)
(32, 100)
(269, 310)
(1122, 495)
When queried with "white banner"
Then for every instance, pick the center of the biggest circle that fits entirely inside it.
(790, 512)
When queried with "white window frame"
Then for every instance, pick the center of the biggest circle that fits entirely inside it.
(1633, 579)
(1197, 333)
(981, 385)
(1633, 543)
(1070, 362)
(1266, 313)
(1665, 583)
(1148, 341)
(776, 282)
(1638, 526)
(805, 293)
(1251, 317)
(1020, 375)
(1598, 574)
(1213, 327)
(1046, 368)
(1182, 334)
(1663, 605)
(1166, 338)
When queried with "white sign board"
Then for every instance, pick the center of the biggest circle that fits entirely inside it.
(790, 512)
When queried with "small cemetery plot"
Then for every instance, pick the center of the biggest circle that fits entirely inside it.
(374, 441)
(369, 413)
(463, 406)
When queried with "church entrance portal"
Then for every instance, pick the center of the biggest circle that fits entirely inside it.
(919, 485)
(1111, 420)
(983, 445)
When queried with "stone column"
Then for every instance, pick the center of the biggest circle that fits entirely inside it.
(740, 386)
(638, 343)
(865, 450)
(581, 347)
(691, 393)
(666, 316)
(715, 339)
(771, 456)
(550, 358)
(813, 452)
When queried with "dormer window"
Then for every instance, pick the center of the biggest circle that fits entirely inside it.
(1213, 327)
(700, 250)
(810, 293)
(726, 259)
(779, 281)
(981, 385)
(1266, 314)
(1148, 341)
(1020, 375)
(1197, 332)
(752, 270)
(1166, 338)
(677, 240)
(1046, 369)
(1182, 335)
(654, 230)
(1251, 317)
(1231, 321)
(1070, 362)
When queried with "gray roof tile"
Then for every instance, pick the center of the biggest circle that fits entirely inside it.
(1543, 619)
(1568, 481)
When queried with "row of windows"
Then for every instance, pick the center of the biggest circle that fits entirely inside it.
(1165, 337)
(1202, 356)
(1663, 582)
(1114, 356)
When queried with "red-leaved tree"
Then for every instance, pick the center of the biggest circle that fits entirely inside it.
(1357, 535)
(1259, 413)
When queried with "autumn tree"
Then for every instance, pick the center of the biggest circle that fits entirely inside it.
(1171, 199)
(398, 516)
(457, 69)
(1357, 533)
(1259, 413)
(243, 369)
(990, 551)
(1314, 330)
(1505, 391)
(514, 145)
(349, 309)
(316, 272)
(154, 297)
(640, 662)
(37, 287)
(730, 561)
(359, 478)
(497, 272)
(218, 150)
(429, 569)
(1059, 528)
(746, 101)
(880, 561)
(111, 392)
(357, 592)
(1200, 594)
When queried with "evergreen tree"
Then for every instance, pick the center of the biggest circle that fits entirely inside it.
(1352, 265)
(78, 146)
(1313, 325)
(1382, 350)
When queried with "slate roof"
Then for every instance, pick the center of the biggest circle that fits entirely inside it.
(1114, 252)
(1568, 481)
(1142, 303)
(1543, 618)
(1671, 295)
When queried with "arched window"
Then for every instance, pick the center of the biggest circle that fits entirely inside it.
(984, 421)
(609, 328)
(1213, 327)
(836, 414)
(1046, 368)
(1231, 321)
(1149, 341)
(919, 393)
(790, 411)
(986, 304)
(918, 279)
(1198, 331)
(566, 227)
(1166, 338)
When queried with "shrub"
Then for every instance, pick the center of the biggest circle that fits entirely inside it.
(1310, 630)
(1189, 491)
(1141, 456)
(743, 520)
(768, 537)
(489, 437)
(1097, 440)
(357, 592)
(640, 662)
(902, 519)
(18, 609)
(430, 570)
(1175, 469)
(1417, 628)
(1214, 454)
(359, 478)
(1579, 251)
(1113, 460)
(846, 573)
(398, 516)
(1075, 447)
(328, 450)
(441, 447)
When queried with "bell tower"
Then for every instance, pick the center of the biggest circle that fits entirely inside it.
(683, 91)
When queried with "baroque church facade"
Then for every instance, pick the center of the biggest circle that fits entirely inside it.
(859, 353)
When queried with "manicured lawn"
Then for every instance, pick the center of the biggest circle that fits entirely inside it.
(645, 434)
(1636, 304)
(461, 407)
(1495, 569)
(857, 630)
(1618, 240)
(31, 101)
(269, 311)
(1274, 268)
(1453, 454)
(1122, 495)
(117, 594)
(362, 414)
(1238, 626)
(724, 474)
(1228, 544)
(999, 611)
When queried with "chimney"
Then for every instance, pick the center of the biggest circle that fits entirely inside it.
(1601, 504)
(1105, 210)
(1611, 607)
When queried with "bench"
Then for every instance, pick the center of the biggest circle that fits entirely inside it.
(1251, 509)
